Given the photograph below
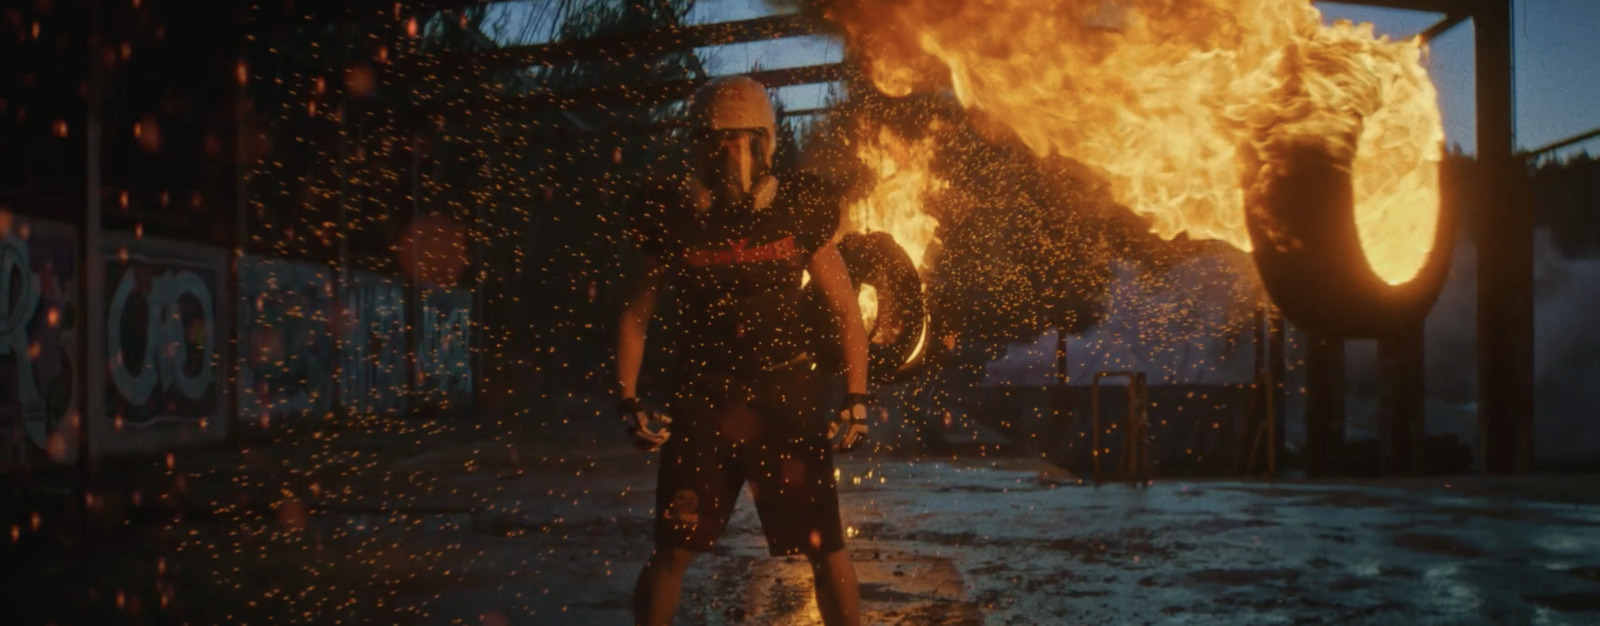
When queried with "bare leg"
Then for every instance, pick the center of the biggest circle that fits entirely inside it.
(838, 599)
(655, 596)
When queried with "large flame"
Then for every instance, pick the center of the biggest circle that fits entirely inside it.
(1183, 104)
(903, 181)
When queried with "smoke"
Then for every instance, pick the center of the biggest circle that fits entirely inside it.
(1567, 302)
(1566, 358)
(1566, 355)
(1191, 323)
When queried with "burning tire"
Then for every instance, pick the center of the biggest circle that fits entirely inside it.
(1310, 257)
(898, 332)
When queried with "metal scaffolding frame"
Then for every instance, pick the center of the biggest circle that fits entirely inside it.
(1505, 276)
(611, 95)
(652, 42)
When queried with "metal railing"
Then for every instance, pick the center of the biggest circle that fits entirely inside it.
(1136, 462)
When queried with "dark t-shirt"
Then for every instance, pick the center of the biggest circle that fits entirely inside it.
(737, 277)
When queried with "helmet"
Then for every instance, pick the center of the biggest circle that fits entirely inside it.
(733, 111)
(735, 102)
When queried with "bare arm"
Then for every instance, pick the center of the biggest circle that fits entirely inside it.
(638, 306)
(828, 269)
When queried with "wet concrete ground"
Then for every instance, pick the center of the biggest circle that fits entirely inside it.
(536, 532)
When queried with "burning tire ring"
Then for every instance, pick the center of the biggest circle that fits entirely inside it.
(875, 259)
(1309, 255)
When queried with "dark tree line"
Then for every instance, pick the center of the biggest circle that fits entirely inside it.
(1566, 194)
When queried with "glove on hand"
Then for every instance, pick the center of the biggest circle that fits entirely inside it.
(647, 426)
(848, 430)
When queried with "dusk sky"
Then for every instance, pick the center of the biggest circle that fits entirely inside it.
(1557, 65)
(1557, 46)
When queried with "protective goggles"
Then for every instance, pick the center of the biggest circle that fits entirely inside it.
(710, 141)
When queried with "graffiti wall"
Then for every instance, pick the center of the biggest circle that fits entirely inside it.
(444, 360)
(286, 349)
(162, 346)
(372, 357)
(308, 344)
(40, 307)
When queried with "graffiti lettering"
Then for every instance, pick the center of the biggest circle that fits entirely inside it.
(38, 340)
(166, 341)
(373, 372)
(443, 362)
(285, 367)
(19, 293)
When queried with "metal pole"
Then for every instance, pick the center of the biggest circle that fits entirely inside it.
(234, 306)
(1251, 433)
(1505, 259)
(1058, 394)
(411, 276)
(479, 328)
(1401, 397)
(342, 276)
(1275, 377)
(93, 272)
(1133, 430)
(1061, 355)
(1146, 443)
(1324, 404)
(1094, 425)
(1135, 455)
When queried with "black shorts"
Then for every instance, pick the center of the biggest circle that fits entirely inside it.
(767, 430)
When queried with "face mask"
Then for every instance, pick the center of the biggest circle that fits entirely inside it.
(732, 171)
(728, 175)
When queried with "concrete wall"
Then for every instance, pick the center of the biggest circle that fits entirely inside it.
(308, 345)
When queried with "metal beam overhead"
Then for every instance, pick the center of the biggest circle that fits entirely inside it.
(615, 95)
(289, 13)
(641, 43)
(1443, 26)
(802, 112)
(1449, 7)
(1554, 146)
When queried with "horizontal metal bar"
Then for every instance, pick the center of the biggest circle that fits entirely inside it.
(1552, 147)
(625, 94)
(578, 128)
(637, 44)
(286, 13)
(810, 111)
(1443, 26)
(1466, 7)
